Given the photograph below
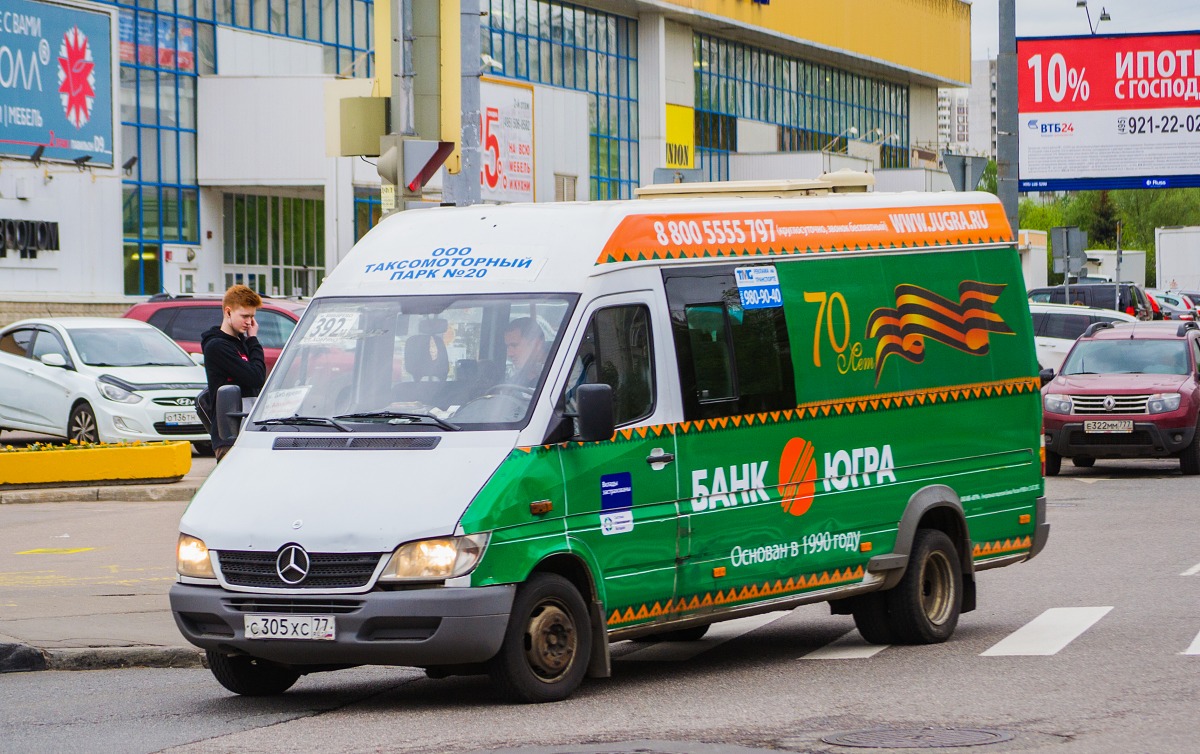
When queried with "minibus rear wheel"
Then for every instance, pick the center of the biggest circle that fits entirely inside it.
(250, 676)
(924, 607)
(548, 642)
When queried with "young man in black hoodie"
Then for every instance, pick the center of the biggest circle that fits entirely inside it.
(232, 353)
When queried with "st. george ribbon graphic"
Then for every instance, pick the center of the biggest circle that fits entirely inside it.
(919, 314)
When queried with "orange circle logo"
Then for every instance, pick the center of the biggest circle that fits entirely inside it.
(797, 475)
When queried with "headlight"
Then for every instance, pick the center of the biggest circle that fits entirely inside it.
(191, 558)
(435, 559)
(116, 392)
(1162, 403)
(1057, 404)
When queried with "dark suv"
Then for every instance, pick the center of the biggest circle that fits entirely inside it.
(1126, 390)
(1134, 300)
(184, 318)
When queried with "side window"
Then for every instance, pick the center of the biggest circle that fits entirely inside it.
(1040, 297)
(616, 350)
(273, 328)
(732, 360)
(17, 342)
(162, 319)
(1068, 326)
(48, 342)
(1039, 321)
(192, 321)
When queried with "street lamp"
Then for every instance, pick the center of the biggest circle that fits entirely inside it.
(851, 131)
(1103, 15)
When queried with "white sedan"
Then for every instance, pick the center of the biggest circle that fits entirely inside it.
(95, 379)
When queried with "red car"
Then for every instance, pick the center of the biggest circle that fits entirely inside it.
(1126, 390)
(184, 318)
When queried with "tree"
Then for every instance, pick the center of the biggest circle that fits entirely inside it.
(988, 182)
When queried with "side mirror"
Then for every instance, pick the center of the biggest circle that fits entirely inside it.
(198, 358)
(1046, 375)
(54, 360)
(229, 412)
(595, 412)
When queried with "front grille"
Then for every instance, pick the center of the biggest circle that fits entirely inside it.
(1094, 404)
(293, 606)
(328, 570)
(1137, 437)
(179, 429)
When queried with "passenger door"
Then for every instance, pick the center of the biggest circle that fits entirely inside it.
(1057, 336)
(621, 495)
(49, 394)
(14, 377)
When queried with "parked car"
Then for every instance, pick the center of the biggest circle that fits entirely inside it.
(1175, 305)
(98, 379)
(184, 318)
(1102, 295)
(1126, 390)
(1056, 326)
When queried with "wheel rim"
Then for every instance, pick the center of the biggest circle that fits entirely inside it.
(83, 427)
(551, 640)
(937, 588)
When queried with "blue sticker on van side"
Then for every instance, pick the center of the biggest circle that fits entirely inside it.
(616, 503)
(758, 287)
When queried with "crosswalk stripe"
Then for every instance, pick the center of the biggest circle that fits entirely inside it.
(1049, 632)
(1191, 571)
(1194, 649)
(850, 646)
(666, 651)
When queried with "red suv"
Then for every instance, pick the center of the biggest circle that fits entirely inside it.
(184, 318)
(1126, 390)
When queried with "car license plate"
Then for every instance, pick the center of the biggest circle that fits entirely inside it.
(1104, 426)
(182, 417)
(303, 627)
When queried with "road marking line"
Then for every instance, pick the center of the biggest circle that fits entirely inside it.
(56, 550)
(850, 646)
(1194, 649)
(1191, 571)
(1049, 632)
(667, 651)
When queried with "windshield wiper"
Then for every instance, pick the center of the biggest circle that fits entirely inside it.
(401, 415)
(319, 421)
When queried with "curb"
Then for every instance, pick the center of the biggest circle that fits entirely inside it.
(117, 658)
(15, 658)
(128, 493)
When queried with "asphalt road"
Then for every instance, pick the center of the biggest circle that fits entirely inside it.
(1091, 647)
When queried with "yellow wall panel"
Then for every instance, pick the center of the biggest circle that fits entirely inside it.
(930, 36)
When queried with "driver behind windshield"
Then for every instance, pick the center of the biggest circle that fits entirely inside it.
(526, 351)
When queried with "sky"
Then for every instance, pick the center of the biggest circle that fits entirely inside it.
(1046, 18)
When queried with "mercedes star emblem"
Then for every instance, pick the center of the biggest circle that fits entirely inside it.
(292, 564)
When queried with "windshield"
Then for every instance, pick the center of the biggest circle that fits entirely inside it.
(407, 362)
(127, 347)
(1128, 357)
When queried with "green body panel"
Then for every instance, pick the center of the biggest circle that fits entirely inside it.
(771, 505)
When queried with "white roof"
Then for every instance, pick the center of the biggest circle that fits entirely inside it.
(556, 246)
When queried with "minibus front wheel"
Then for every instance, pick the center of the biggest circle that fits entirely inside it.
(249, 676)
(546, 647)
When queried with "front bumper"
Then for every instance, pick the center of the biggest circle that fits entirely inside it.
(1147, 440)
(420, 627)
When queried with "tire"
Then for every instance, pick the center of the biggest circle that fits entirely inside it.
(250, 677)
(871, 618)
(924, 607)
(694, 633)
(1053, 463)
(82, 424)
(1189, 457)
(203, 448)
(547, 644)
(1083, 462)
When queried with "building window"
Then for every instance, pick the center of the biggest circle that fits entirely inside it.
(550, 42)
(368, 211)
(274, 244)
(812, 104)
(163, 48)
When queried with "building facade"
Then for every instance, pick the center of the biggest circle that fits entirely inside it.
(220, 165)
